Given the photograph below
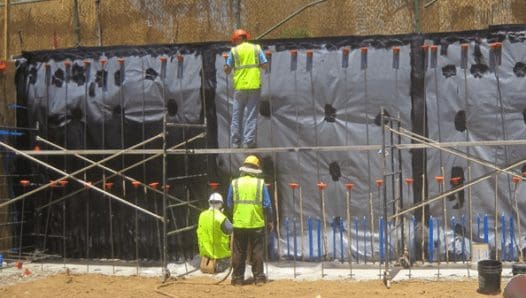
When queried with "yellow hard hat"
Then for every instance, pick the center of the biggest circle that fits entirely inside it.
(252, 160)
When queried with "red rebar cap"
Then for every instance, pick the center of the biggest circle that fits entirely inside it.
(108, 185)
(363, 50)
(103, 61)
(349, 186)
(213, 185)
(136, 184)
(3, 65)
(179, 57)
(322, 185)
(496, 45)
(439, 179)
(67, 63)
(396, 49)
(63, 182)
(36, 148)
(346, 51)
(293, 52)
(27, 272)
(309, 53)
(409, 181)
(53, 183)
(294, 185)
(153, 184)
(19, 264)
(24, 183)
(455, 180)
(163, 58)
(225, 55)
(434, 48)
(516, 179)
(464, 45)
(268, 54)
(120, 60)
(379, 182)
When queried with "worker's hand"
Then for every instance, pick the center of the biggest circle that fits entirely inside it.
(227, 69)
(270, 226)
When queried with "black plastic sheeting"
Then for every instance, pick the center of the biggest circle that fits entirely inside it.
(326, 97)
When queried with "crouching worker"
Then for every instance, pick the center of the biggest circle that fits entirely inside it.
(213, 232)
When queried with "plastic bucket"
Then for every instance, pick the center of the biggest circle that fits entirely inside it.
(518, 268)
(489, 276)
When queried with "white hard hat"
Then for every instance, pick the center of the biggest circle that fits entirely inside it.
(216, 197)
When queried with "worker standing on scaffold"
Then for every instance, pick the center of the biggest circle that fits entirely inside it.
(248, 201)
(246, 59)
(213, 230)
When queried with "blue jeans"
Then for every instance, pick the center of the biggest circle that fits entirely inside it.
(245, 131)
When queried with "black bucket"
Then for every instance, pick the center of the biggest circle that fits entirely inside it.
(518, 268)
(489, 276)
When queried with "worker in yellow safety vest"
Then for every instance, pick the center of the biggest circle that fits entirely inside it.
(247, 60)
(248, 201)
(213, 238)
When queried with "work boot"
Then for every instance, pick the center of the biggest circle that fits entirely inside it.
(260, 281)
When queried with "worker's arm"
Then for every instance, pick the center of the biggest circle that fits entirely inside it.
(227, 227)
(229, 202)
(263, 62)
(229, 64)
(267, 206)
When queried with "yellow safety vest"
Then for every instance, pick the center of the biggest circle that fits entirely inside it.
(247, 75)
(213, 242)
(248, 202)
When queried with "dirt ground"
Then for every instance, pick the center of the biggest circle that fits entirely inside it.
(64, 285)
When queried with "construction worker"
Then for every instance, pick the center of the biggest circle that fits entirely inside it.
(247, 60)
(213, 238)
(249, 203)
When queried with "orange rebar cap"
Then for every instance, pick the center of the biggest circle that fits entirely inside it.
(379, 182)
(516, 179)
(24, 183)
(409, 181)
(349, 186)
(136, 184)
(108, 185)
(322, 185)
(213, 185)
(439, 178)
(294, 185)
(153, 184)
(455, 180)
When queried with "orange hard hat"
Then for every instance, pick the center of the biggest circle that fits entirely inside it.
(236, 36)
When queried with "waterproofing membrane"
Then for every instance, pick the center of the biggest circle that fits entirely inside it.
(326, 99)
